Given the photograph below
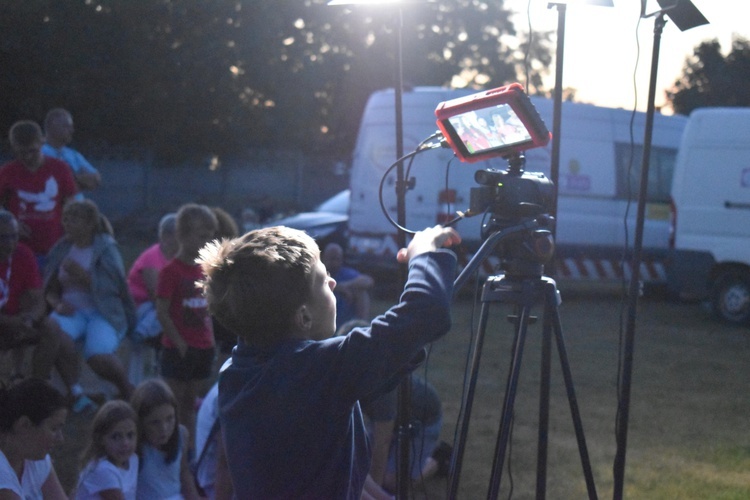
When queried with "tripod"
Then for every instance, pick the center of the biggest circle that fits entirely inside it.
(524, 291)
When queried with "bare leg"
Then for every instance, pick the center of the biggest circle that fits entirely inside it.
(46, 351)
(67, 362)
(110, 368)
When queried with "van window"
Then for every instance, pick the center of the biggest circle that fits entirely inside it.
(660, 172)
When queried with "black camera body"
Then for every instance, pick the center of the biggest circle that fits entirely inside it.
(512, 197)
(512, 193)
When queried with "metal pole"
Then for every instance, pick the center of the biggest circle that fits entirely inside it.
(627, 360)
(557, 112)
(403, 469)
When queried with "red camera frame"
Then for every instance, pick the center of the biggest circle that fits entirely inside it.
(528, 132)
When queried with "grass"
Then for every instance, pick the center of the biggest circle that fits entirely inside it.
(688, 434)
(688, 428)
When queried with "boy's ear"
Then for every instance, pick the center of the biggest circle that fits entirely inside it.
(302, 318)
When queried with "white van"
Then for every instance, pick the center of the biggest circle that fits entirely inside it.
(711, 212)
(595, 183)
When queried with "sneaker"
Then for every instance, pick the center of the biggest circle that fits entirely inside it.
(83, 403)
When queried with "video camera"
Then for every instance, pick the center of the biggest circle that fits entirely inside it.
(503, 122)
(499, 122)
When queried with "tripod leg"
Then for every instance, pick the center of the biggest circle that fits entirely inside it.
(551, 299)
(465, 415)
(544, 391)
(510, 395)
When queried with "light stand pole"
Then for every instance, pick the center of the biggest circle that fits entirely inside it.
(685, 15)
(403, 413)
(403, 421)
(554, 171)
(551, 268)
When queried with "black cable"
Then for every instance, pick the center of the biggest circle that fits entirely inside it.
(423, 146)
(623, 262)
(510, 454)
(473, 331)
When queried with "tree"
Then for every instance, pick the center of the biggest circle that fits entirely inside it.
(195, 77)
(711, 79)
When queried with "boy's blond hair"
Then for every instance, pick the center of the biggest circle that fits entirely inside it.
(255, 283)
(192, 213)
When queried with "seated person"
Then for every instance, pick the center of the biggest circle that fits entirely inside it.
(352, 287)
(426, 419)
(427, 457)
(32, 416)
(144, 274)
(23, 319)
(86, 289)
(142, 279)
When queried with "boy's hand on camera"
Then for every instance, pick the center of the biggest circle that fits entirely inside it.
(429, 240)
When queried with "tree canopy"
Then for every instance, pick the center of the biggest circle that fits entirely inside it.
(711, 79)
(197, 77)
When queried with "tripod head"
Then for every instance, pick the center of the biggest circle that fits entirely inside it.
(513, 198)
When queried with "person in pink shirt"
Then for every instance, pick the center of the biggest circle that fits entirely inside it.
(142, 280)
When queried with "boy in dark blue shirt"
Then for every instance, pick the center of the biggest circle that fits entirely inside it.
(289, 403)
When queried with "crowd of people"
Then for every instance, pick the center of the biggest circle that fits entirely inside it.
(201, 289)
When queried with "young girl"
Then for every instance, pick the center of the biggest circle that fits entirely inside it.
(188, 338)
(163, 444)
(32, 415)
(111, 470)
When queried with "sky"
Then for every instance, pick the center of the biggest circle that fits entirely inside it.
(601, 49)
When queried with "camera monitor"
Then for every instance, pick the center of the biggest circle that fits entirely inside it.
(496, 122)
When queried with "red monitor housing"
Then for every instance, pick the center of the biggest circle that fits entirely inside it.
(497, 122)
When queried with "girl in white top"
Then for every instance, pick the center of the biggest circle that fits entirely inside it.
(32, 416)
(111, 470)
(163, 444)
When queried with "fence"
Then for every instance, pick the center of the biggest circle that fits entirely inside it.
(135, 192)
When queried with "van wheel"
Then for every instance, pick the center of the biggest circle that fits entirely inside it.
(731, 297)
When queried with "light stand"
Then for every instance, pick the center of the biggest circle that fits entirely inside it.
(554, 171)
(403, 420)
(685, 16)
(403, 413)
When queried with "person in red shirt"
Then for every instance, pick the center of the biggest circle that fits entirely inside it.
(188, 337)
(34, 188)
(23, 320)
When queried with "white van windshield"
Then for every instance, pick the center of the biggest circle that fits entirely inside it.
(338, 203)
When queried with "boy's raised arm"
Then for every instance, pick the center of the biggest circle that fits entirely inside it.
(429, 240)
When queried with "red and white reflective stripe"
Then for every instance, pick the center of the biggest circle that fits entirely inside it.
(594, 269)
(586, 269)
